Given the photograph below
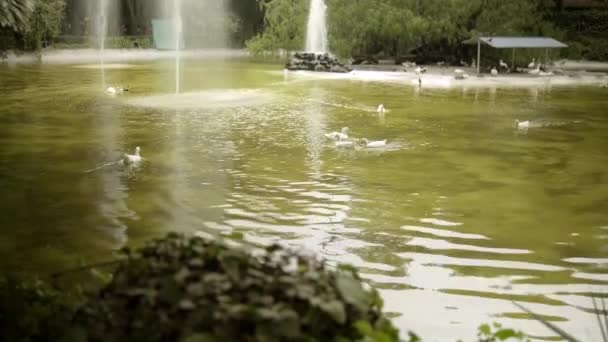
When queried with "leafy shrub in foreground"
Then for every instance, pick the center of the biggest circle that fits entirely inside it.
(32, 311)
(192, 289)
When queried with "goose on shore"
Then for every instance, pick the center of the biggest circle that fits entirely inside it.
(372, 144)
(535, 71)
(494, 72)
(342, 135)
(532, 64)
(132, 158)
(381, 109)
(503, 65)
(459, 74)
(420, 70)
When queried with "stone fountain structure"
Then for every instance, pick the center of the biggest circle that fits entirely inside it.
(317, 56)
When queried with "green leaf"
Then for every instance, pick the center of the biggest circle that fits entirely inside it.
(505, 334)
(352, 291)
(364, 328)
(485, 330)
(413, 337)
(335, 309)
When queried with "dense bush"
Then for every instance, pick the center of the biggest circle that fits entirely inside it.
(191, 289)
(129, 42)
(33, 311)
(584, 31)
(44, 24)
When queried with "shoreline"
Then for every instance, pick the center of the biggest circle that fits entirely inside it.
(88, 56)
(443, 78)
(576, 73)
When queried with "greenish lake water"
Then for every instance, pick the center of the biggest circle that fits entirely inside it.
(457, 217)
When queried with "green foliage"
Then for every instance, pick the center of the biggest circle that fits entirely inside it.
(128, 42)
(180, 289)
(14, 14)
(584, 32)
(45, 23)
(284, 26)
(496, 332)
(398, 26)
(32, 311)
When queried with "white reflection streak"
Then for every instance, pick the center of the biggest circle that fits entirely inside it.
(314, 113)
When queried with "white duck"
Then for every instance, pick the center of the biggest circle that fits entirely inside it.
(373, 144)
(522, 124)
(494, 72)
(132, 158)
(459, 74)
(420, 70)
(532, 64)
(535, 71)
(116, 90)
(342, 135)
(381, 109)
(503, 65)
(345, 144)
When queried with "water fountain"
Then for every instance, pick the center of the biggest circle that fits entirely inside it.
(102, 32)
(316, 31)
(317, 56)
(178, 36)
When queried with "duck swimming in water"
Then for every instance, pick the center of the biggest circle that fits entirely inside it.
(345, 144)
(116, 90)
(372, 144)
(522, 124)
(342, 135)
(129, 159)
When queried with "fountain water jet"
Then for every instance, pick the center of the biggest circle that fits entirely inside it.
(102, 32)
(178, 31)
(316, 57)
(316, 32)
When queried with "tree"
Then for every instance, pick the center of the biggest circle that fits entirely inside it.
(396, 27)
(45, 23)
(284, 26)
(15, 14)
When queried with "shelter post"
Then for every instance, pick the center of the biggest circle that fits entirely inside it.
(513, 61)
(478, 54)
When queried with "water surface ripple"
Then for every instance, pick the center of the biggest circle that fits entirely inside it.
(461, 215)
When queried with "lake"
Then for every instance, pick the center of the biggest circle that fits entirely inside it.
(457, 217)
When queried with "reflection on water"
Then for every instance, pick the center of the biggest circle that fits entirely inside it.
(459, 216)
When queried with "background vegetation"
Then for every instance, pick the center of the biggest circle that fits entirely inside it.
(428, 29)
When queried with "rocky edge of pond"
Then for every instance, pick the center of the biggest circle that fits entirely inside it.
(321, 62)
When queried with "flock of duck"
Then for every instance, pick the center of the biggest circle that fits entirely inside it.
(343, 140)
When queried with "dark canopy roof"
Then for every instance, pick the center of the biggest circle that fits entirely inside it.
(519, 42)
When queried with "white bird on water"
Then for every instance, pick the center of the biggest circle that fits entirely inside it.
(532, 64)
(522, 124)
(129, 159)
(116, 90)
(420, 70)
(342, 135)
(381, 109)
(494, 72)
(345, 144)
(373, 144)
